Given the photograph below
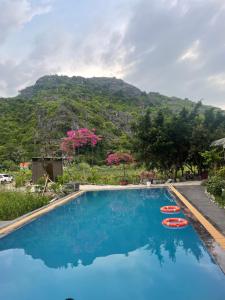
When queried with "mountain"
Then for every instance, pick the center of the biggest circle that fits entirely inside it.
(33, 122)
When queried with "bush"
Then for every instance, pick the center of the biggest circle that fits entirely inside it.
(221, 173)
(41, 181)
(221, 199)
(84, 166)
(22, 177)
(15, 204)
(215, 185)
(10, 165)
(65, 178)
(56, 187)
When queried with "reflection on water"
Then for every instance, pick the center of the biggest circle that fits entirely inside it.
(103, 233)
(116, 223)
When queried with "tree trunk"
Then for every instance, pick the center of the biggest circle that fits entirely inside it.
(124, 173)
(175, 174)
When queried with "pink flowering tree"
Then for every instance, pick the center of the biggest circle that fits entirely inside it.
(77, 139)
(118, 158)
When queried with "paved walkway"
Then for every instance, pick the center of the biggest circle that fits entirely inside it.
(94, 187)
(196, 195)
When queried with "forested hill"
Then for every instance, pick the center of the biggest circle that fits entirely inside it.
(36, 119)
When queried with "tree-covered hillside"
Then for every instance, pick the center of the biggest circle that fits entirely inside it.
(33, 123)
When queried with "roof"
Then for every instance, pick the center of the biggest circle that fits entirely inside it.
(220, 142)
(46, 159)
(24, 164)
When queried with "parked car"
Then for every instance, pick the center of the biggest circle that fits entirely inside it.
(4, 178)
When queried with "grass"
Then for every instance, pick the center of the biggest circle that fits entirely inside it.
(84, 174)
(16, 204)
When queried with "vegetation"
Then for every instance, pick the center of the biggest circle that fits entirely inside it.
(174, 141)
(167, 136)
(33, 123)
(22, 177)
(85, 174)
(15, 204)
(122, 158)
(216, 186)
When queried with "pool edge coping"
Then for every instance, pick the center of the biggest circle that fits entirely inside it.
(215, 233)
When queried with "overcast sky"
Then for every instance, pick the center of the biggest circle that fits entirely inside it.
(173, 47)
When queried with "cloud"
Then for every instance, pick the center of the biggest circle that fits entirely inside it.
(61, 52)
(186, 39)
(218, 81)
(171, 46)
(192, 53)
(16, 13)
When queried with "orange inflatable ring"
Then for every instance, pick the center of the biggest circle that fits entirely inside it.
(170, 209)
(175, 222)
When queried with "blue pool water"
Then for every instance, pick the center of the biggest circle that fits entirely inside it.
(108, 245)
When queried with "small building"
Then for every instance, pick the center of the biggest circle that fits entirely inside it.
(53, 167)
(25, 165)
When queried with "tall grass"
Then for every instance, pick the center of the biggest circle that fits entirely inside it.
(85, 174)
(16, 204)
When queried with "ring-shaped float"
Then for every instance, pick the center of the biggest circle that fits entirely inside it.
(170, 209)
(175, 222)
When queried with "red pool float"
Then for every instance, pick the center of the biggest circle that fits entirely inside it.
(170, 209)
(175, 222)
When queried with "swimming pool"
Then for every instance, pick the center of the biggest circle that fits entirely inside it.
(108, 245)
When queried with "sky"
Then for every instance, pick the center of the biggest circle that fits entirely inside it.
(174, 47)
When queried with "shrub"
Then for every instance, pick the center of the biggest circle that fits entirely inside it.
(10, 165)
(221, 173)
(84, 166)
(20, 181)
(15, 204)
(221, 199)
(63, 178)
(41, 181)
(56, 187)
(215, 185)
(22, 177)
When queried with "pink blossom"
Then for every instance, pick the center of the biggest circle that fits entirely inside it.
(118, 158)
(79, 138)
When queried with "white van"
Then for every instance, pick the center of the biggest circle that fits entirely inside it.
(4, 178)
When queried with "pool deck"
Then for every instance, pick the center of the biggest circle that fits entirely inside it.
(207, 219)
(198, 198)
(215, 233)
